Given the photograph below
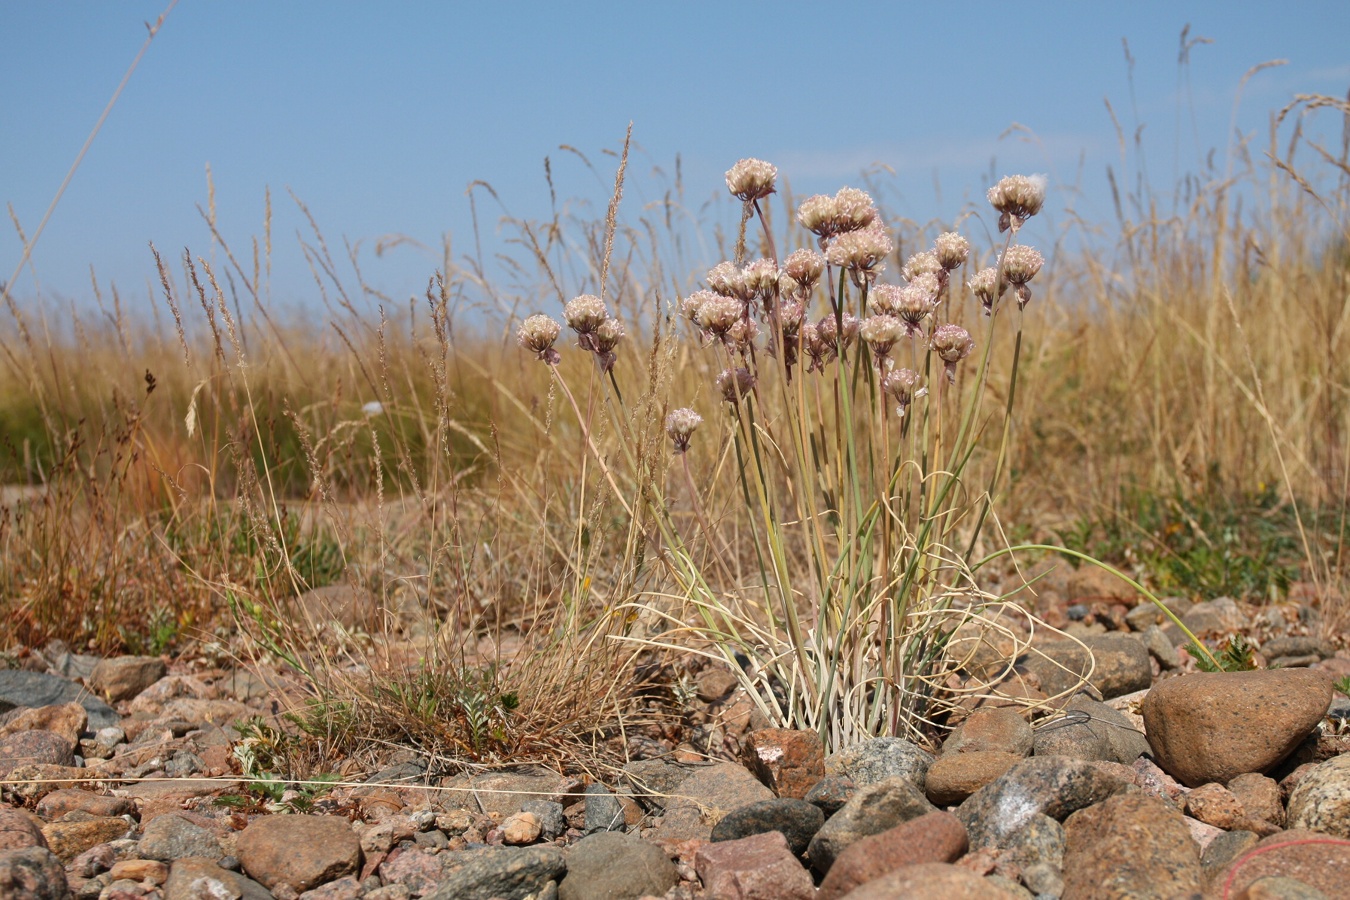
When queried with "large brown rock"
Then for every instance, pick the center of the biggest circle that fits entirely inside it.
(69, 839)
(29, 748)
(19, 830)
(759, 867)
(1216, 726)
(936, 837)
(300, 852)
(1316, 859)
(955, 776)
(1130, 845)
(32, 873)
(931, 881)
(123, 677)
(787, 761)
(66, 719)
(991, 728)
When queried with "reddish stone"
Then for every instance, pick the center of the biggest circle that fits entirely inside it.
(936, 837)
(955, 776)
(20, 830)
(788, 762)
(760, 867)
(1316, 859)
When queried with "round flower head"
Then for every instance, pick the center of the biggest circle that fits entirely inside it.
(727, 279)
(820, 347)
(951, 343)
(789, 288)
(849, 333)
(1020, 265)
(680, 426)
(751, 179)
(585, 313)
(603, 341)
(923, 263)
(884, 299)
(804, 266)
(848, 210)
(916, 303)
(735, 384)
(862, 252)
(1017, 198)
(983, 283)
(538, 334)
(881, 333)
(690, 305)
(718, 314)
(951, 249)
(760, 278)
(816, 215)
(741, 334)
(903, 386)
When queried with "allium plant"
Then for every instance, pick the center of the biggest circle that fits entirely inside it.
(852, 408)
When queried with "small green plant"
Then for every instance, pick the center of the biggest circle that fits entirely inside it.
(1236, 655)
(262, 754)
(1342, 685)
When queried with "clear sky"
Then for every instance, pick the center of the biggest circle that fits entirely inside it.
(379, 114)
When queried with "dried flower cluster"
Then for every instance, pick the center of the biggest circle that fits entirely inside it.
(597, 332)
(751, 179)
(1017, 198)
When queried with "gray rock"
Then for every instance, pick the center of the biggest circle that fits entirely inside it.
(19, 688)
(706, 795)
(1053, 786)
(879, 759)
(652, 780)
(1321, 801)
(1160, 647)
(1121, 664)
(1220, 616)
(1297, 645)
(513, 873)
(32, 873)
(1039, 841)
(550, 816)
(504, 792)
(1091, 730)
(201, 879)
(1225, 848)
(617, 866)
(796, 820)
(170, 837)
(831, 793)
(873, 809)
(1147, 615)
(604, 812)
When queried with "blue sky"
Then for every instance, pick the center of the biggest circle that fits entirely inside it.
(378, 115)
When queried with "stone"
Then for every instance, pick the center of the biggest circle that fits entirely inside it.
(1040, 842)
(345, 888)
(1214, 726)
(831, 793)
(1214, 617)
(35, 690)
(1220, 853)
(1319, 861)
(934, 837)
(653, 780)
(496, 872)
(714, 683)
(1260, 797)
(1321, 800)
(1117, 663)
(787, 761)
(299, 852)
(173, 836)
(705, 796)
(69, 839)
(1161, 648)
(1052, 786)
(1129, 845)
(32, 873)
(94, 861)
(69, 720)
(932, 881)
(33, 782)
(20, 829)
(757, 867)
(201, 879)
(28, 748)
(797, 820)
(1147, 614)
(144, 870)
(616, 865)
(58, 803)
(1280, 887)
(123, 677)
(603, 810)
(1215, 805)
(873, 809)
(955, 776)
(504, 792)
(521, 828)
(416, 870)
(1297, 645)
(550, 816)
(991, 728)
(879, 759)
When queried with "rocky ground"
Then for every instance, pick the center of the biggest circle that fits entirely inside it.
(1152, 780)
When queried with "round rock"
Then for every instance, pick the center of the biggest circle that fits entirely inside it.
(616, 865)
(936, 837)
(879, 759)
(797, 820)
(300, 852)
(872, 810)
(1130, 845)
(1215, 726)
(1321, 801)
